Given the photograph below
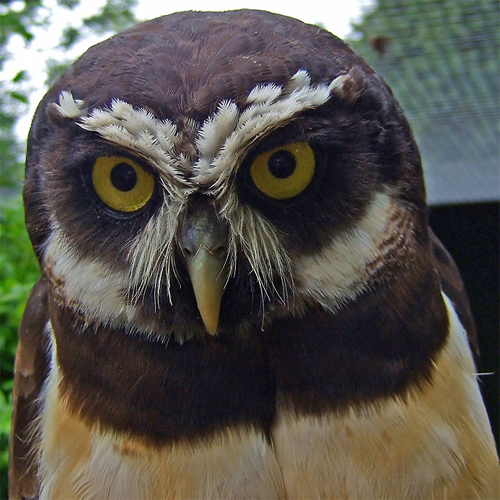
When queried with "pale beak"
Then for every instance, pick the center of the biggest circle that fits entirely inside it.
(208, 275)
(203, 242)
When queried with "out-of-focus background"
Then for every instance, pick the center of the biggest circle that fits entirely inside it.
(441, 59)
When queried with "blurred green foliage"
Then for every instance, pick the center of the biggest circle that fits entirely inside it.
(18, 266)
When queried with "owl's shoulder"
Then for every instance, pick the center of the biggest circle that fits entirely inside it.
(453, 286)
(30, 372)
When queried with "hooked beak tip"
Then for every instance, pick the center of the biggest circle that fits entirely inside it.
(208, 276)
(211, 328)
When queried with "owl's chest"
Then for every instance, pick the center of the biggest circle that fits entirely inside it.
(80, 462)
(310, 458)
(416, 447)
(434, 442)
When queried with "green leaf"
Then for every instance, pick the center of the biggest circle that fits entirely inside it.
(21, 76)
(12, 23)
(70, 36)
(19, 97)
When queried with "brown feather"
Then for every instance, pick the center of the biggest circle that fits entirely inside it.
(30, 371)
(453, 287)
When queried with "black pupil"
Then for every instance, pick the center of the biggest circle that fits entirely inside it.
(123, 177)
(282, 164)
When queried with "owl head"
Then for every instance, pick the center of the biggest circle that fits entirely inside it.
(208, 173)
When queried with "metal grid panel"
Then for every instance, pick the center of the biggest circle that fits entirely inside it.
(441, 59)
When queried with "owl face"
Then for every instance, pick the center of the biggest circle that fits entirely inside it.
(181, 184)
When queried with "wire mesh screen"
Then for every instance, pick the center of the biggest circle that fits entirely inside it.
(441, 58)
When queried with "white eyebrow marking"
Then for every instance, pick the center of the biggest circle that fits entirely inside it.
(69, 107)
(227, 136)
(222, 138)
(137, 130)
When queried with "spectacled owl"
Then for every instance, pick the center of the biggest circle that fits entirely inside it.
(240, 295)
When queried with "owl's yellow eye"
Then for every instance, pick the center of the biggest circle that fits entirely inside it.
(284, 172)
(121, 183)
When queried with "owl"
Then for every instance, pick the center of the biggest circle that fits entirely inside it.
(240, 297)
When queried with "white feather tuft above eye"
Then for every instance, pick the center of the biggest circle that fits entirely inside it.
(263, 94)
(69, 107)
(269, 107)
(216, 129)
(137, 130)
(222, 139)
